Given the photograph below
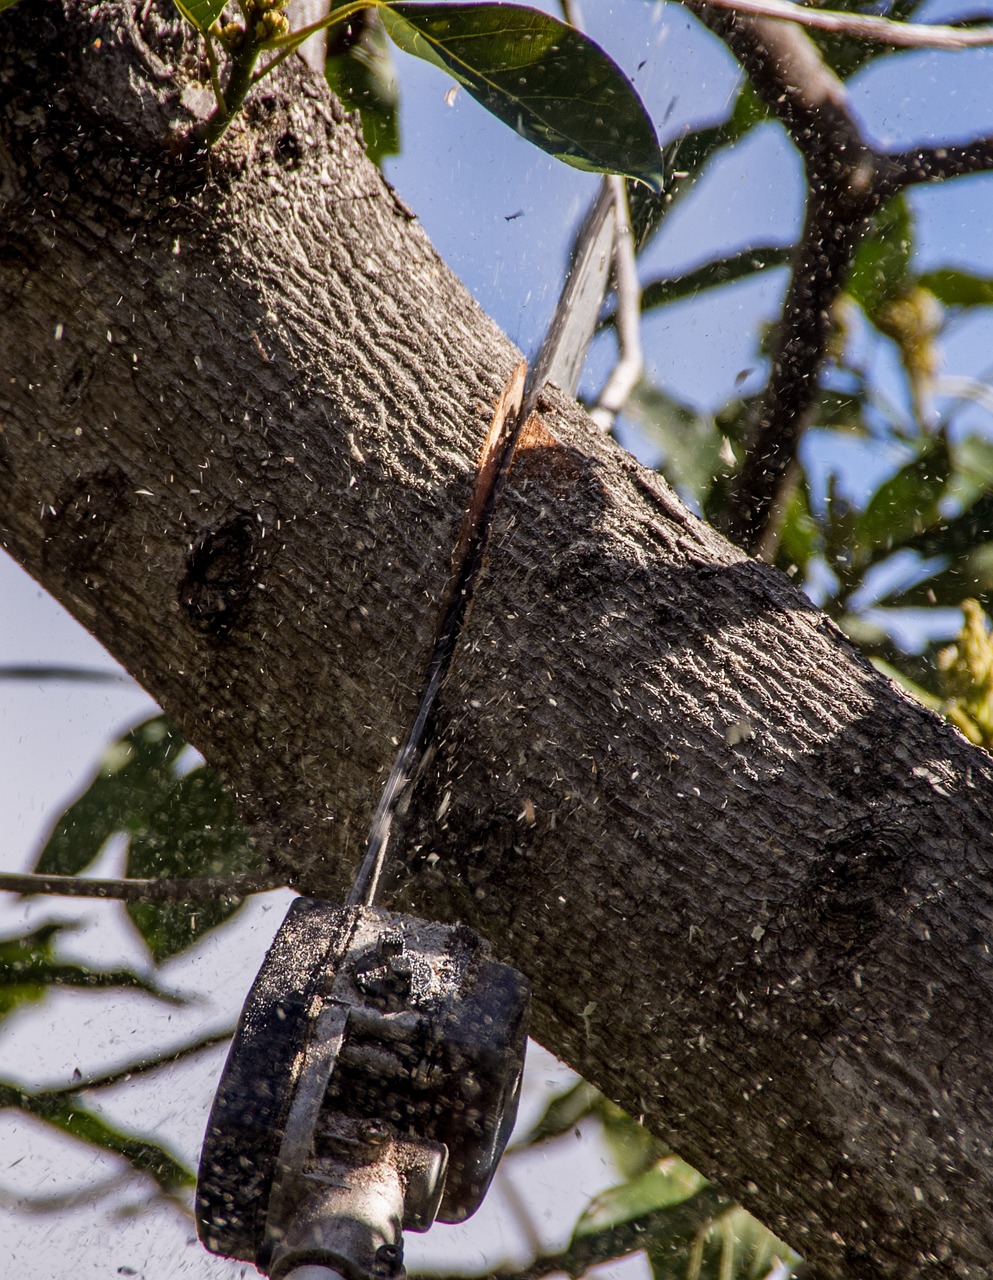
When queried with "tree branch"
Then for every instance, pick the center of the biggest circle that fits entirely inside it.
(848, 181)
(791, 928)
(906, 35)
(669, 1228)
(935, 164)
(143, 1066)
(627, 317)
(199, 889)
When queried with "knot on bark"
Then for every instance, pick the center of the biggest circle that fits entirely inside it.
(222, 573)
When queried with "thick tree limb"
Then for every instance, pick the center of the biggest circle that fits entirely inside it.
(242, 411)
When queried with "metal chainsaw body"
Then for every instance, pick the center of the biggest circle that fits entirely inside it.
(371, 1085)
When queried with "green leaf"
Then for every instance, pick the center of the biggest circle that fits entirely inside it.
(668, 1183)
(880, 270)
(972, 477)
(194, 832)
(799, 537)
(720, 271)
(958, 288)
(181, 826)
(633, 1148)
(970, 574)
(29, 970)
(544, 79)
(907, 503)
(564, 1112)
(690, 441)
(70, 1115)
(733, 1246)
(131, 779)
(201, 13)
(684, 159)
(359, 68)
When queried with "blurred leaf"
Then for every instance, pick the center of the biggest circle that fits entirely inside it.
(972, 472)
(70, 1115)
(905, 682)
(690, 441)
(733, 1246)
(359, 68)
(564, 1112)
(912, 320)
(908, 502)
(799, 536)
(547, 81)
(132, 776)
(966, 668)
(839, 411)
(633, 1148)
(202, 13)
(970, 574)
(685, 158)
(720, 271)
(194, 832)
(667, 1183)
(956, 288)
(749, 110)
(29, 970)
(177, 825)
(879, 271)
(7, 4)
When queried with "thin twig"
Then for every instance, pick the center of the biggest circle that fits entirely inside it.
(200, 889)
(905, 35)
(122, 1074)
(520, 1209)
(71, 675)
(627, 371)
(16, 1202)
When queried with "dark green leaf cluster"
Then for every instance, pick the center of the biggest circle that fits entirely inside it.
(177, 823)
(29, 970)
(687, 1229)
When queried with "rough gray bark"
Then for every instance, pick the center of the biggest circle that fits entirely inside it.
(241, 407)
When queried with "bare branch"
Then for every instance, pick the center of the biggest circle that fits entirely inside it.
(201, 889)
(826, 249)
(796, 84)
(935, 164)
(845, 179)
(19, 1202)
(905, 35)
(73, 675)
(627, 316)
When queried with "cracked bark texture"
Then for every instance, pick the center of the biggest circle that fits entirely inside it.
(241, 406)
